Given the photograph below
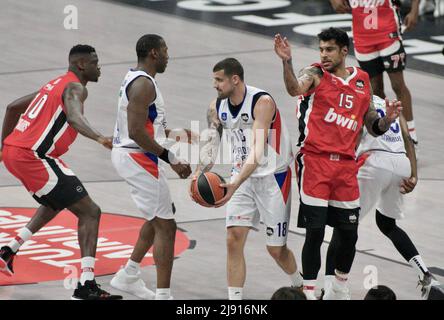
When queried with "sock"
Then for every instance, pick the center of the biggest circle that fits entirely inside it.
(419, 266)
(296, 279)
(132, 268)
(412, 130)
(340, 281)
(23, 235)
(163, 293)
(234, 293)
(309, 289)
(87, 269)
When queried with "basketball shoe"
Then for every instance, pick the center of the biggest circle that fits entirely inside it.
(91, 291)
(6, 261)
(131, 284)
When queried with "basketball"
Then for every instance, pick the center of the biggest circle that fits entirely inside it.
(206, 190)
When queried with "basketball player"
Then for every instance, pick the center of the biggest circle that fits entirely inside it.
(260, 187)
(388, 170)
(141, 122)
(377, 36)
(37, 130)
(336, 103)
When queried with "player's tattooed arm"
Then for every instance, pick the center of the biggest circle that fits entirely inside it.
(13, 112)
(210, 140)
(73, 98)
(307, 79)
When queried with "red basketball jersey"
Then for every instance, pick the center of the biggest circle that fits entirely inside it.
(43, 127)
(374, 21)
(331, 115)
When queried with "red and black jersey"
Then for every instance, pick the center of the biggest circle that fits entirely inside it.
(43, 128)
(332, 114)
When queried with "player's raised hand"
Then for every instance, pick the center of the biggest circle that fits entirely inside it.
(340, 6)
(107, 142)
(407, 185)
(393, 109)
(282, 47)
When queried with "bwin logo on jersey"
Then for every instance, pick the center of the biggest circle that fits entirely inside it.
(245, 117)
(341, 120)
(224, 116)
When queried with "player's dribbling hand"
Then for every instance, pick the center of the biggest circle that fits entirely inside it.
(282, 47)
(407, 185)
(340, 6)
(231, 189)
(182, 168)
(107, 142)
(393, 109)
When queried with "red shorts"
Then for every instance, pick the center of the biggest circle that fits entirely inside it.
(328, 180)
(47, 179)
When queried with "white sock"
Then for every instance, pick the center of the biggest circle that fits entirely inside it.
(163, 293)
(419, 266)
(309, 289)
(296, 279)
(23, 235)
(235, 293)
(412, 130)
(87, 269)
(132, 268)
(340, 281)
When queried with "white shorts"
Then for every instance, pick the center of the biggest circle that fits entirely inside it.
(147, 180)
(379, 182)
(266, 199)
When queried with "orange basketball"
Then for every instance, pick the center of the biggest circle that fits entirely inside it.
(206, 190)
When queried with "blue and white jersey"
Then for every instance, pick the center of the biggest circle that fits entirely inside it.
(237, 122)
(155, 120)
(391, 141)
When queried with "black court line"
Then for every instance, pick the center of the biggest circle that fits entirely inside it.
(117, 63)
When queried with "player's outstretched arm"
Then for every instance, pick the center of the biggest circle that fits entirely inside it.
(407, 185)
(141, 95)
(307, 78)
(13, 112)
(264, 111)
(74, 96)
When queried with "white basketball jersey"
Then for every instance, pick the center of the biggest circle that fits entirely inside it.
(155, 119)
(391, 141)
(237, 122)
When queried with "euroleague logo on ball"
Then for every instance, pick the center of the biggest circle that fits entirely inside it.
(55, 249)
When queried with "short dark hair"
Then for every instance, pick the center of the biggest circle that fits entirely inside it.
(146, 43)
(231, 67)
(288, 293)
(340, 36)
(380, 293)
(81, 49)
